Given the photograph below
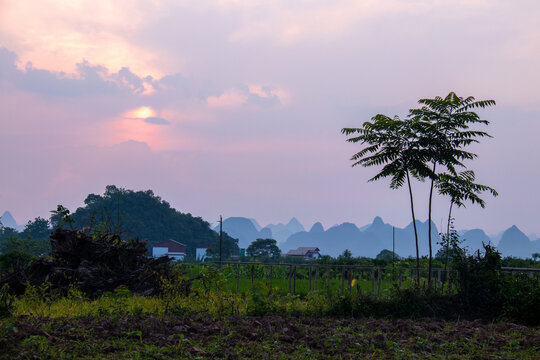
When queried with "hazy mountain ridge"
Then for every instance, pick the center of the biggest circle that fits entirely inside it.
(281, 232)
(515, 243)
(7, 220)
(244, 230)
(370, 239)
(367, 242)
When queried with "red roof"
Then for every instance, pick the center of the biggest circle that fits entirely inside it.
(172, 246)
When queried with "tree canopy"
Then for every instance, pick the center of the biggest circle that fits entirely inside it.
(387, 255)
(138, 214)
(32, 241)
(264, 248)
(431, 136)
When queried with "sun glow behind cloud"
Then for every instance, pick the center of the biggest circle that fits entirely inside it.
(126, 129)
(132, 126)
(142, 112)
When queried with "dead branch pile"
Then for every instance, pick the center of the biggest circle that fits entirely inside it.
(94, 265)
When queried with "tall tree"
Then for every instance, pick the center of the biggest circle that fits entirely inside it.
(394, 144)
(445, 131)
(264, 247)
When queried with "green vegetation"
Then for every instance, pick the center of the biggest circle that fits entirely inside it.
(143, 215)
(205, 319)
(200, 314)
(264, 248)
(435, 134)
(33, 240)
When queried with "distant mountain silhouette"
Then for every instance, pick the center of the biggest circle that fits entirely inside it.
(317, 228)
(8, 221)
(282, 232)
(473, 239)
(244, 230)
(515, 243)
(369, 242)
(372, 238)
(256, 224)
(496, 237)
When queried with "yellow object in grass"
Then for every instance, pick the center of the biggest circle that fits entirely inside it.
(353, 282)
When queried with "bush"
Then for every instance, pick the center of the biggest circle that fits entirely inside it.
(6, 302)
(486, 291)
(480, 283)
(14, 260)
(521, 299)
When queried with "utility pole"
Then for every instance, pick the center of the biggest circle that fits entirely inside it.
(220, 240)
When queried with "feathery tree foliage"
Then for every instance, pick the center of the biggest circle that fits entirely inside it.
(445, 132)
(461, 188)
(431, 138)
(394, 144)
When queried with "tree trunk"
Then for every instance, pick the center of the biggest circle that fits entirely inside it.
(415, 231)
(448, 236)
(429, 227)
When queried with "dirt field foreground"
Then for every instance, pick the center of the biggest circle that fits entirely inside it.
(267, 337)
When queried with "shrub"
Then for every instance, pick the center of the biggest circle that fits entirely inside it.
(486, 291)
(521, 299)
(480, 282)
(6, 302)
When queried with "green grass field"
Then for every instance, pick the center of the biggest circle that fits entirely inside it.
(213, 321)
(282, 280)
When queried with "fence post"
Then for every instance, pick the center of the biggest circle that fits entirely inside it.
(328, 280)
(252, 275)
(379, 278)
(342, 281)
(439, 277)
(290, 279)
(294, 281)
(400, 279)
(270, 290)
(237, 278)
(349, 279)
(448, 282)
(309, 269)
(372, 281)
(316, 278)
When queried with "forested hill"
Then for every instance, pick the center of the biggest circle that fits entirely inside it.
(140, 214)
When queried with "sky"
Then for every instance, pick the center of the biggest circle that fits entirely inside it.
(234, 107)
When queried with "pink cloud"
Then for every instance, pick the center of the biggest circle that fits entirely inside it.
(229, 99)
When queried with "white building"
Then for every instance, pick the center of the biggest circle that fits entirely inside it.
(200, 253)
(170, 248)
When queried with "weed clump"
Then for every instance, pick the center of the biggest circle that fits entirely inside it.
(94, 264)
